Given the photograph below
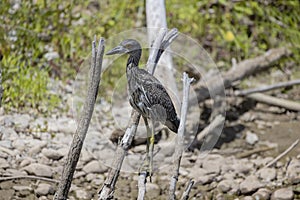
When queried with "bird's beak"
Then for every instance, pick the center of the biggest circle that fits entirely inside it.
(116, 50)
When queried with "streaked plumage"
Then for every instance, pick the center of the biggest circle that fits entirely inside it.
(146, 94)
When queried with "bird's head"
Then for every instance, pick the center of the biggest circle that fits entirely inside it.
(129, 46)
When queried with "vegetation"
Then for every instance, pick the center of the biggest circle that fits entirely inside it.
(32, 30)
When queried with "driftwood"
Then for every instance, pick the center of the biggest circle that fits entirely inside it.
(284, 103)
(180, 136)
(266, 88)
(242, 70)
(85, 118)
(160, 44)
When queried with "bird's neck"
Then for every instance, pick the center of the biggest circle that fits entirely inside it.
(133, 60)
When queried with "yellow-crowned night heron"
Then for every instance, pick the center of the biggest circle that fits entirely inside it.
(146, 94)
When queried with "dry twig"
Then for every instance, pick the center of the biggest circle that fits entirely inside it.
(180, 137)
(217, 121)
(267, 88)
(9, 178)
(282, 154)
(83, 125)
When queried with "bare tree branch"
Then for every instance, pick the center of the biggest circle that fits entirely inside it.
(267, 88)
(287, 104)
(242, 70)
(107, 189)
(180, 137)
(83, 125)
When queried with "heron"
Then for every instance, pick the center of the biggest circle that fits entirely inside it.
(147, 96)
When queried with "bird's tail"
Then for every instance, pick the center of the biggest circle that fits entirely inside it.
(173, 125)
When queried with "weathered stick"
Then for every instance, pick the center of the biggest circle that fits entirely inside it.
(267, 88)
(242, 70)
(217, 121)
(284, 103)
(186, 193)
(83, 125)
(180, 136)
(107, 189)
(142, 185)
(282, 154)
(9, 178)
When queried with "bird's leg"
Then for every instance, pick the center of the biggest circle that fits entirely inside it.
(151, 148)
(145, 165)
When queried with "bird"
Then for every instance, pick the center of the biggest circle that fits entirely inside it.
(147, 95)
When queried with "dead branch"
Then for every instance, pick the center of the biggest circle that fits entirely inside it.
(9, 178)
(242, 70)
(180, 137)
(217, 121)
(267, 88)
(142, 185)
(253, 151)
(107, 190)
(282, 154)
(83, 125)
(263, 98)
(186, 193)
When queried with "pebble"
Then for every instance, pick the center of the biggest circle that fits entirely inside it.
(250, 184)
(44, 189)
(153, 191)
(3, 163)
(267, 174)
(21, 121)
(82, 194)
(224, 186)
(283, 194)
(52, 154)
(94, 167)
(39, 170)
(262, 193)
(251, 138)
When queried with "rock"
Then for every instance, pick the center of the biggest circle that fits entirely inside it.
(26, 162)
(267, 174)
(82, 194)
(15, 172)
(248, 198)
(52, 154)
(250, 184)
(167, 148)
(3, 163)
(85, 156)
(224, 186)
(90, 177)
(8, 133)
(153, 191)
(44, 189)
(39, 170)
(206, 179)
(7, 194)
(21, 121)
(283, 194)
(262, 193)
(293, 171)
(23, 190)
(94, 167)
(242, 167)
(251, 138)
(211, 167)
(19, 144)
